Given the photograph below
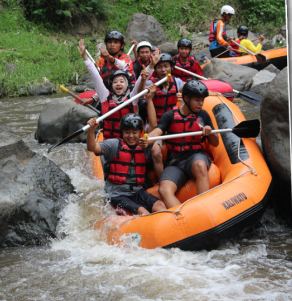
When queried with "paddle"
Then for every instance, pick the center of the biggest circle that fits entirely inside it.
(130, 50)
(86, 127)
(245, 129)
(250, 97)
(260, 57)
(80, 99)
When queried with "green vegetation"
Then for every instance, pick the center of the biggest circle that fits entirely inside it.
(31, 30)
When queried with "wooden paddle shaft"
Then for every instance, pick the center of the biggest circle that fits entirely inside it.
(85, 128)
(132, 47)
(187, 134)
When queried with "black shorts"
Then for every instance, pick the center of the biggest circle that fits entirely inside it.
(135, 201)
(182, 170)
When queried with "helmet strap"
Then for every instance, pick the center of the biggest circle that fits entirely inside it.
(188, 106)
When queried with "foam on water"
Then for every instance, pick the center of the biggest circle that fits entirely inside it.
(79, 265)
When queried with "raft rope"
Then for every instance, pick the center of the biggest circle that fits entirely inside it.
(177, 212)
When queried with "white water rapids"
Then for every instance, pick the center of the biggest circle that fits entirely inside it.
(81, 266)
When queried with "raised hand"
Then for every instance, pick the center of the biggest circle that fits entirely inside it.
(144, 73)
(82, 50)
(104, 53)
(152, 90)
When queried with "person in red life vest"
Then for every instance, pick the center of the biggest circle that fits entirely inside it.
(186, 158)
(218, 37)
(113, 59)
(164, 99)
(125, 167)
(185, 61)
(118, 92)
(143, 57)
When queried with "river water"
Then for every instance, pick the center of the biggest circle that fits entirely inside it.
(257, 266)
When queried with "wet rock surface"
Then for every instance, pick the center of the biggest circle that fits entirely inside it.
(276, 139)
(236, 75)
(85, 83)
(61, 118)
(33, 190)
(260, 81)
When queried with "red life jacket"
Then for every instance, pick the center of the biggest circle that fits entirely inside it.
(164, 102)
(111, 125)
(177, 73)
(183, 125)
(107, 68)
(213, 32)
(120, 164)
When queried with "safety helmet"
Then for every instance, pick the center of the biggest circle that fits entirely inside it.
(165, 57)
(242, 30)
(194, 87)
(131, 121)
(118, 73)
(228, 10)
(143, 44)
(185, 42)
(115, 34)
(153, 47)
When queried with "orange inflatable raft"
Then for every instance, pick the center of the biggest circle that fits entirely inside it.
(277, 57)
(240, 187)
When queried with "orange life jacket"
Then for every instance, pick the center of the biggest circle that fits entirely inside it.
(183, 125)
(164, 102)
(119, 166)
(111, 126)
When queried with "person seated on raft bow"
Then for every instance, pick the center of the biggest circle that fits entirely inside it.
(119, 91)
(164, 99)
(217, 37)
(125, 167)
(185, 61)
(113, 59)
(186, 158)
(242, 33)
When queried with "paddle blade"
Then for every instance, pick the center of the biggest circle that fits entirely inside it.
(66, 139)
(261, 58)
(247, 129)
(251, 97)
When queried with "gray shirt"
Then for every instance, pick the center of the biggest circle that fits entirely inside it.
(109, 148)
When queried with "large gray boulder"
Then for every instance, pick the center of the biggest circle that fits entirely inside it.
(168, 47)
(145, 28)
(272, 69)
(33, 191)
(61, 118)
(44, 89)
(260, 81)
(236, 75)
(276, 139)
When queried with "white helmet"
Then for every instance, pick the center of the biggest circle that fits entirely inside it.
(143, 44)
(228, 10)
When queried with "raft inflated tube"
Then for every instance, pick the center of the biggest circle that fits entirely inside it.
(240, 185)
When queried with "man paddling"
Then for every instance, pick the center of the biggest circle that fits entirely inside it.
(126, 166)
(218, 37)
(113, 59)
(185, 61)
(242, 33)
(186, 158)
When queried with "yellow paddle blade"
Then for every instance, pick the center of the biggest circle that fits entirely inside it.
(145, 136)
(64, 89)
